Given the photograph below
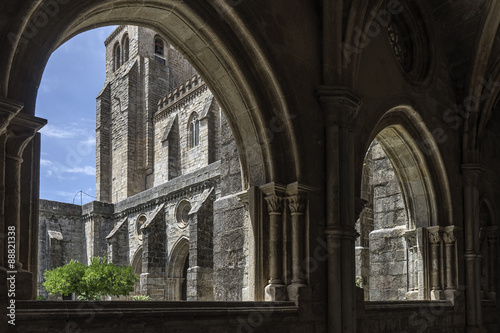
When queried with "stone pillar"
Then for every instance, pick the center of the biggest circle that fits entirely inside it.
(20, 131)
(449, 241)
(449, 238)
(275, 289)
(483, 247)
(8, 110)
(411, 245)
(472, 176)
(435, 264)
(340, 105)
(491, 264)
(297, 203)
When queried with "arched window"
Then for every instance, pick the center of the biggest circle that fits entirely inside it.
(116, 56)
(126, 48)
(159, 47)
(194, 131)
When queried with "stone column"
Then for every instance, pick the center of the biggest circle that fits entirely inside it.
(113, 250)
(411, 245)
(340, 106)
(20, 131)
(8, 110)
(275, 289)
(492, 247)
(435, 244)
(297, 204)
(449, 239)
(472, 176)
(483, 248)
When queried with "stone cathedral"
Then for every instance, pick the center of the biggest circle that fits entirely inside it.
(343, 178)
(167, 180)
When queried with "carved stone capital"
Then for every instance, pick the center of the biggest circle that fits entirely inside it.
(297, 204)
(449, 237)
(20, 131)
(340, 104)
(8, 110)
(492, 239)
(274, 204)
(411, 238)
(434, 237)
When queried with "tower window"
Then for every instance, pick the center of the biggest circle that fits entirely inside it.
(158, 47)
(116, 56)
(126, 48)
(194, 131)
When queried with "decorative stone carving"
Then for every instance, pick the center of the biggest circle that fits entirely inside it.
(274, 204)
(434, 237)
(411, 238)
(449, 237)
(297, 204)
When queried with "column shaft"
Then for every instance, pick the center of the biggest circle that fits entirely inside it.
(472, 175)
(275, 251)
(341, 107)
(275, 289)
(492, 241)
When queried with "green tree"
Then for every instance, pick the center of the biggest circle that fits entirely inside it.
(100, 278)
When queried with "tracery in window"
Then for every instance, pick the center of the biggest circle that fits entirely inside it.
(401, 44)
(194, 131)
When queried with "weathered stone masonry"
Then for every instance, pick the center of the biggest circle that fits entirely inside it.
(167, 178)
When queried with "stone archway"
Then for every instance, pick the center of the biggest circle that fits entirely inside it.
(401, 237)
(137, 266)
(249, 91)
(250, 109)
(177, 272)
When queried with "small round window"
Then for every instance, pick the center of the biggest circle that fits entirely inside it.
(182, 213)
(138, 224)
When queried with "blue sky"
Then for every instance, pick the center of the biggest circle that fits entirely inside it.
(71, 81)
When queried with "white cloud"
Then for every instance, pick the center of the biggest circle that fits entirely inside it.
(61, 133)
(59, 171)
(45, 162)
(87, 170)
(90, 141)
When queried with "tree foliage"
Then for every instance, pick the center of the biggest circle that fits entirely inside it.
(100, 278)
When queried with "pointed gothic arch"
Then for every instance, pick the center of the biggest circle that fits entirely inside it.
(116, 57)
(126, 48)
(177, 267)
(136, 264)
(403, 170)
(193, 130)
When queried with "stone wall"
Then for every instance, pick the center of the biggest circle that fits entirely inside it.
(230, 249)
(186, 317)
(411, 316)
(231, 226)
(174, 154)
(61, 231)
(382, 257)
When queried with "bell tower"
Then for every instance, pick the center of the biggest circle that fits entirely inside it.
(141, 67)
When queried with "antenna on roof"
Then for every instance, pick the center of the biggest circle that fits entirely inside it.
(81, 197)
